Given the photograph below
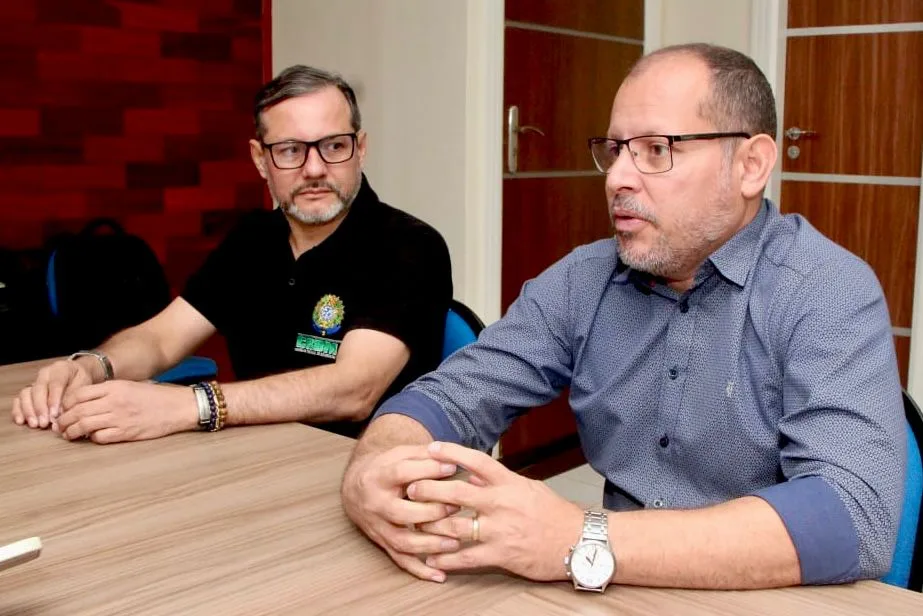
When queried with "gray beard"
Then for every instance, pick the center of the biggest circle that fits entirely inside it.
(339, 206)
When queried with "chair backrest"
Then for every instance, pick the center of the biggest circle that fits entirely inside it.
(907, 564)
(462, 327)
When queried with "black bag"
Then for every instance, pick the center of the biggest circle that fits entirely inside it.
(101, 281)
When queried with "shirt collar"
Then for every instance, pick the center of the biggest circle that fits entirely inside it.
(736, 257)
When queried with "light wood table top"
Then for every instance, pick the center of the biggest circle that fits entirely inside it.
(248, 521)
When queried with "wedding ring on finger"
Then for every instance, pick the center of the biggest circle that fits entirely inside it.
(475, 528)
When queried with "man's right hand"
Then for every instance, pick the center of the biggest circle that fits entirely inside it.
(39, 404)
(373, 493)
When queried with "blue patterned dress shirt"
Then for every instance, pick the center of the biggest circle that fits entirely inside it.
(774, 376)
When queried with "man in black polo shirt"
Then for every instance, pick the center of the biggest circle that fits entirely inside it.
(328, 302)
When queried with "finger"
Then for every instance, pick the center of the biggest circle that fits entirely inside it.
(85, 426)
(72, 415)
(475, 461)
(404, 452)
(477, 555)
(77, 395)
(413, 565)
(409, 541)
(40, 402)
(107, 435)
(16, 412)
(452, 492)
(25, 406)
(407, 471)
(457, 527)
(403, 512)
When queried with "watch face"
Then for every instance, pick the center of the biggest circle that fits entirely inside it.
(592, 564)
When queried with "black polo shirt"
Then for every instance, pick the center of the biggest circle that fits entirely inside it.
(381, 269)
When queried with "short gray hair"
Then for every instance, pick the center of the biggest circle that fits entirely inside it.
(299, 80)
(741, 98)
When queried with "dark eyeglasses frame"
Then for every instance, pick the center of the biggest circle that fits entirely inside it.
(307, 150)
(671, 139)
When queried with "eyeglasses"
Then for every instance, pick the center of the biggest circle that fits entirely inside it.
(293, 154)
(650, 153)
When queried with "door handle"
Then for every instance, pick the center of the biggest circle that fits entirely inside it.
(794, 133)
(513, 130)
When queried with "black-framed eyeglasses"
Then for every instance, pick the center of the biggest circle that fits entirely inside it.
(650, 153)
(292, 154)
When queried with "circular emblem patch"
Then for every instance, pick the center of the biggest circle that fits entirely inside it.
(328, 315)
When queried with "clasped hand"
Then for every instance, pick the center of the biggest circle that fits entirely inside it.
(64, 398)
(523, 526)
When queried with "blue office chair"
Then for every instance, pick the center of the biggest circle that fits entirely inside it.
(907, 564)
(462, 327)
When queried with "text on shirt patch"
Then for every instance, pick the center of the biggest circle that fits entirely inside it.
(312, 345)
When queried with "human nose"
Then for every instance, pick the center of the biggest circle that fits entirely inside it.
(623, 174)
(314, 165)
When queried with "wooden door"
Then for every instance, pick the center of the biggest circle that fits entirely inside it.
(853, 78)
(563, 62)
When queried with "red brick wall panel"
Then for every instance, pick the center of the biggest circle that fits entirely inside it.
(139, 110)
(19, 122)
(145, 148)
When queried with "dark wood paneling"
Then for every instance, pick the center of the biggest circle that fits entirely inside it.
(569, 105)
(862, 94)
(615, 17)
(902, 347)
(877, 223)
(817, 13)
(543, 220)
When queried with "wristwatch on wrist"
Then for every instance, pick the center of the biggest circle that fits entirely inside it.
(591, 563)
(101, 357)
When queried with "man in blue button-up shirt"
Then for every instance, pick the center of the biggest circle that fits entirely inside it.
(731, 370)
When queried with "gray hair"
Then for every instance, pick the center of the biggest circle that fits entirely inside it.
(299, 80)
(741, 98)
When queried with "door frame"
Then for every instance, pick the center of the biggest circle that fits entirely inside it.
(768, 22)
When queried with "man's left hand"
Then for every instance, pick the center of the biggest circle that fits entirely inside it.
(117, 411)
(523, 526)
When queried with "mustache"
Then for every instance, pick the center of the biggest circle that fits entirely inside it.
(317, 184)
(627, 204)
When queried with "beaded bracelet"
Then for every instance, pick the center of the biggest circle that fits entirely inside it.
(222, 415)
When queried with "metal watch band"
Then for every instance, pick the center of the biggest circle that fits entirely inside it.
(201, 400)
(595, 526)
(108, 373)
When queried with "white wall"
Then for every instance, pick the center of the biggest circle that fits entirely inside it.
(721, 22)
(409, 62)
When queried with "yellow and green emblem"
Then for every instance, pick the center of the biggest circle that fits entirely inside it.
(328, 315)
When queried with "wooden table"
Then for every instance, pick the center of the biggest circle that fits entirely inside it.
(248, 521)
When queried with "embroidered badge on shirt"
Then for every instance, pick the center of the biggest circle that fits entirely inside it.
(314, 345)
(328, 315)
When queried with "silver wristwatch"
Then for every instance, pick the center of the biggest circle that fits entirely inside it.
(591, 563)
(108, 373)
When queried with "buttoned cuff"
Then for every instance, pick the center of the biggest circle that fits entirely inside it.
(820, 527)
(426, 411)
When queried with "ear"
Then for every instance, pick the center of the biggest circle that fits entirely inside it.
(361, 139)
(256, 153)
(758, 157)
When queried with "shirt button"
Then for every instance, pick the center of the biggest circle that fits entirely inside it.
(684, 306)
(664, 440)
(658, 504)
(673, 373)
(291, 282)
